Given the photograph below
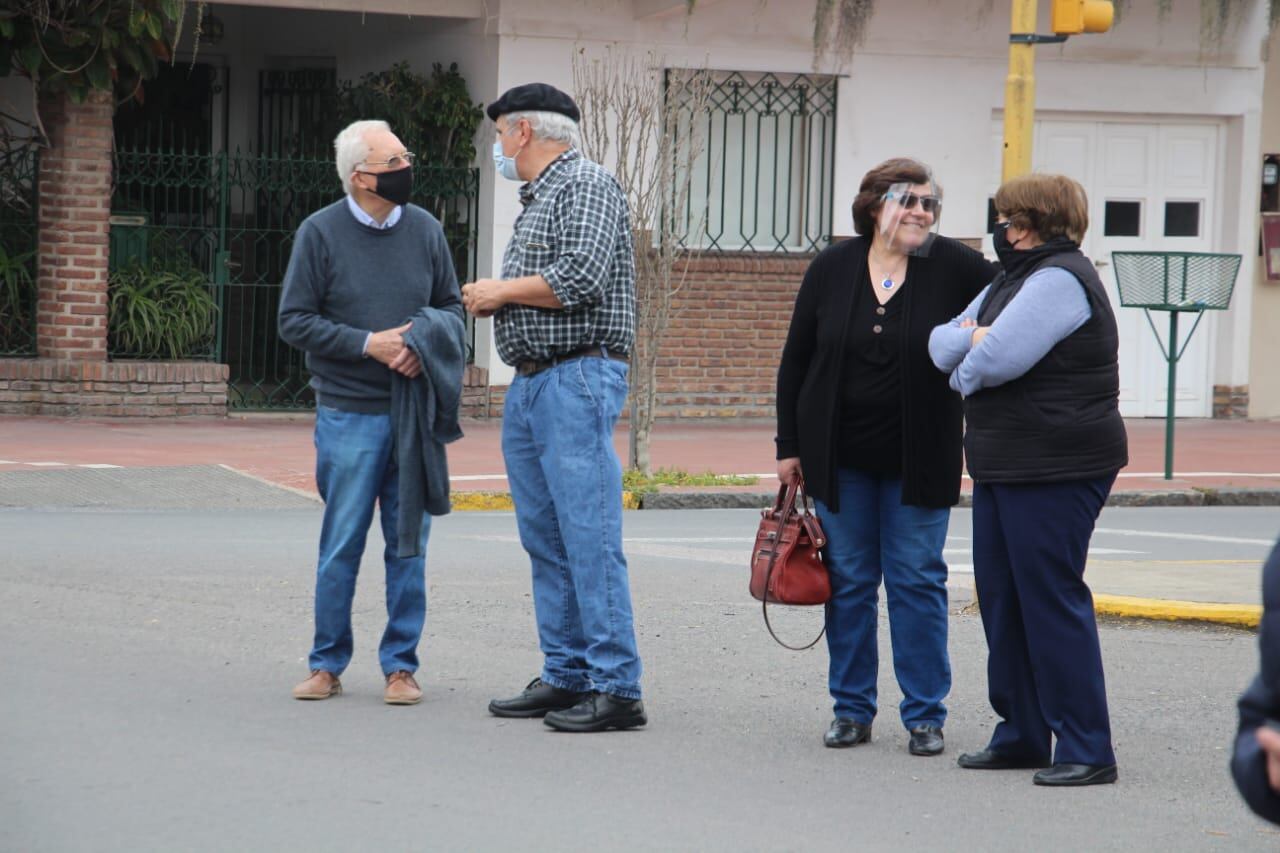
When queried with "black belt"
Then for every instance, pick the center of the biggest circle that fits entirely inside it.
(528, 367)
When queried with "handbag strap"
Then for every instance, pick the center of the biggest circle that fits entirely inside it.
(788, 506)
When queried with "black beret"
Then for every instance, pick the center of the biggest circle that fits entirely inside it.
(534, 98)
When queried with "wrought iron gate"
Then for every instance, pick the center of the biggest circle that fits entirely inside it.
(233, 215)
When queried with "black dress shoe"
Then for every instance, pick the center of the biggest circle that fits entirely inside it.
(598, 712)
(1072, 775)
(926, 740)
(846, 732)
(989, 759)
(537, 699)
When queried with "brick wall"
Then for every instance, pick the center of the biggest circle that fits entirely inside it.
(74, 187)
(1231, 402)
(77, 387)
(720, 356)
(72, 375)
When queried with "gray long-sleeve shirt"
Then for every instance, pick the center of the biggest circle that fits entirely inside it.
(1050, 305)
(345, 280)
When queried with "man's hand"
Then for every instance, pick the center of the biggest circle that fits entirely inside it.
(1269, 740)
(406, 363)
(979, 332)
(484, 296)
(386, 345)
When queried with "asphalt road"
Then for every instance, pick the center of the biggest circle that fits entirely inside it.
(148, 658)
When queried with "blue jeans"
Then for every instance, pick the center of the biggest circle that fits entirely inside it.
(356, 467)
(566, 481)
(874, 536)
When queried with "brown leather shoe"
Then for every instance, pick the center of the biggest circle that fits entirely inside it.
(402, 689)
(321, 685)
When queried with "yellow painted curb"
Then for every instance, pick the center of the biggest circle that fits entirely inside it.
(1238, 615)
(501, 501)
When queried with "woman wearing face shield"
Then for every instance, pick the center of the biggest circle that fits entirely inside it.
(874, 430)
(1035, 356)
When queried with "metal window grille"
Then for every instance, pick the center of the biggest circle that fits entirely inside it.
(19, 166)
(764, 182)
(294, 110)
(233, 216)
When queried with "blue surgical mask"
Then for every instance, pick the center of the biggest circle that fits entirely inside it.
(505, 165)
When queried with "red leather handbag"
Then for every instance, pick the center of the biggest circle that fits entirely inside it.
(786, 562)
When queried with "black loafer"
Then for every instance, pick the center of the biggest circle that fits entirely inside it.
(537, 699)
(1074, 775)
(598, 712)
(845, 732)
(926, 740)
(989, 759)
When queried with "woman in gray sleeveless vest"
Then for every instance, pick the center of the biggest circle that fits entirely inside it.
(1035, 356)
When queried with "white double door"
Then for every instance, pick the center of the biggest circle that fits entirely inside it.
(1152, 186)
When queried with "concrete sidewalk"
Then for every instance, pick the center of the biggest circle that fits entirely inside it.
(1226, 463)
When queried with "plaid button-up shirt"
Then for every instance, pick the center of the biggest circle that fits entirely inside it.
(575, 232)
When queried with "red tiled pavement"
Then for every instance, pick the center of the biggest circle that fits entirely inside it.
(279, 449)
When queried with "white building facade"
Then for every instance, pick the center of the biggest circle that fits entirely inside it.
(1166, 133)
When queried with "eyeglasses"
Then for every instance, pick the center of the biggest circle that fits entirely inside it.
(399, 161)
(908, 201)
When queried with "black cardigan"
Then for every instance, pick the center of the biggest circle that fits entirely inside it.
(937, 289)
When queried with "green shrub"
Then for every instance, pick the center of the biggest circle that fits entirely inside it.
(157, 313)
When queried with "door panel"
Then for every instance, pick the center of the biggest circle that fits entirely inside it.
(1151, 187)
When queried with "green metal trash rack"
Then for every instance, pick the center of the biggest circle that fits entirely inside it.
(1179, 283)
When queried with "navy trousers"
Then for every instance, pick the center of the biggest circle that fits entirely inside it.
(1044, 666)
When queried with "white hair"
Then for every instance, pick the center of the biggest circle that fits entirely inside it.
(553, 127)
(350, 148)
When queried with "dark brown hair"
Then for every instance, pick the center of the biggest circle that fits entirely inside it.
(1050, 205)
(875, 183)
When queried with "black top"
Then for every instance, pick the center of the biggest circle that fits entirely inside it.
(870, 436)
(811, 375)
(1061, 419)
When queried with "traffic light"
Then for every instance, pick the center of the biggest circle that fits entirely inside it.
(1073, 17)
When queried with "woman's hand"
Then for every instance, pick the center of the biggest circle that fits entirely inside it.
(979, 332)
(789, 471)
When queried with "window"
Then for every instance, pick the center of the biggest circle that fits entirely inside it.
(1122, 219)
(1182, 219)
(764, 182)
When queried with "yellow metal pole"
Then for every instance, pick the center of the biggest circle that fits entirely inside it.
(1020, 94)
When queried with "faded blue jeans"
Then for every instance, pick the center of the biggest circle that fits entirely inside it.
(875, 536)
(566, 481)
(356, 468)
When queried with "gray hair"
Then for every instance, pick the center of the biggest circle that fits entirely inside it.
(350, 148)
(553, 127)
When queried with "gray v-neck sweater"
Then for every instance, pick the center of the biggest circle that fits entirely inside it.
(346, 280)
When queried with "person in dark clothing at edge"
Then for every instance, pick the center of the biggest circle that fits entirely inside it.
(1036, 358)
(365, 274)
(876, 433)
(1255, 762)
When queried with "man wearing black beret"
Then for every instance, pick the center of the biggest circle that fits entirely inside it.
(564, 317)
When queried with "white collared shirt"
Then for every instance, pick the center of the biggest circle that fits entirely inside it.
(365, 219)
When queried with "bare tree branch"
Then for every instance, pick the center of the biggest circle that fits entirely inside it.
(643, 119)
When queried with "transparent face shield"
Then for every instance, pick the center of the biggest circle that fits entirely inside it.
(909, 215)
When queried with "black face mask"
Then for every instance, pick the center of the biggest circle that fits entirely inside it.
(395, 187)
(1017, 262)
(1000, 242)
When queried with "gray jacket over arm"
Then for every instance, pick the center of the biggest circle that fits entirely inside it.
(424, 416)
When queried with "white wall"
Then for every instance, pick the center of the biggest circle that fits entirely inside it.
(926, 83)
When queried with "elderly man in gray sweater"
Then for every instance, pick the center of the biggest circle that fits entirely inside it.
(372, 298)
